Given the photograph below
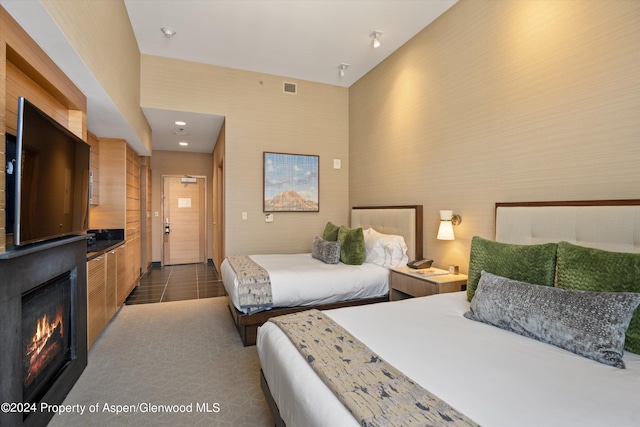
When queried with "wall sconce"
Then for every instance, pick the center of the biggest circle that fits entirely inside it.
(447, 221)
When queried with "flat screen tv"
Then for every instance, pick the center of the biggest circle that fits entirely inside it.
(10, 183)
(51, 178)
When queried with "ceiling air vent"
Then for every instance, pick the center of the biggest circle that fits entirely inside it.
(290, 88)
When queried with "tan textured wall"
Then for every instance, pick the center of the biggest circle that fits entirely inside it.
(260, 117)
(501, 101)
(176, 163)
(101, 34)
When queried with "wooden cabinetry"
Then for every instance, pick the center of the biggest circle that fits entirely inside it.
(102, 283)
(408, 283)
(123, 289)
(111, 302)
(133, 263)
(96, 297)
(111, 212)
(133, 231)
(120, 207)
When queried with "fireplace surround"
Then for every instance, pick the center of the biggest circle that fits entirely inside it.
(23, 270)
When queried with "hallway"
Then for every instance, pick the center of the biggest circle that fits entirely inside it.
(176, 283)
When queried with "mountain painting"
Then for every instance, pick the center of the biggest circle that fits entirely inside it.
(290, 183)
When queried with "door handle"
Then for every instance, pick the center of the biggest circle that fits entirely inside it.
(167, 230)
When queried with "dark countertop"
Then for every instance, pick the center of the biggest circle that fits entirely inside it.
(102, 241)
(100, 247)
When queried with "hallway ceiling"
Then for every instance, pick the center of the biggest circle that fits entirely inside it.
(295, 39)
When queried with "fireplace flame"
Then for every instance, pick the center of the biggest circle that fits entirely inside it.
(44, 330)
(44, 344)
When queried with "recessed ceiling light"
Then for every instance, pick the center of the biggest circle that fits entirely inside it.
(181, 123)
(184, 144)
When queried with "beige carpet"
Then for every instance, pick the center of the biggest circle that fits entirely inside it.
(175, 353)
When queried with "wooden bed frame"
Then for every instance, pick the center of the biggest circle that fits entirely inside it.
(248, 324)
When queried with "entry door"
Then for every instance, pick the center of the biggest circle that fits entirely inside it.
(184, 220)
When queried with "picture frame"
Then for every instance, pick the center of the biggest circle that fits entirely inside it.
(290, 182)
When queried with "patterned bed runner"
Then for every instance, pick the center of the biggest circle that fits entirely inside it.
(375, 392)
(254, 285)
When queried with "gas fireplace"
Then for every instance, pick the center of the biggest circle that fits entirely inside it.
(43, 313)
(48, 335)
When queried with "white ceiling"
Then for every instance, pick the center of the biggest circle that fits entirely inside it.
(297, 39)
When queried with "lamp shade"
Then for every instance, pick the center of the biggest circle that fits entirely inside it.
(445, 231)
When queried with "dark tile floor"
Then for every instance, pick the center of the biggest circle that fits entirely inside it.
(176, 283)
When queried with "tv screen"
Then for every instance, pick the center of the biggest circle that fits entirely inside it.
(51, 178)
(10, 182)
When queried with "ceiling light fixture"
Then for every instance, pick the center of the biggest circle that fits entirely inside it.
(184, 144)
(181, 123)
(168, 32)
(376, 41)
(341, 68)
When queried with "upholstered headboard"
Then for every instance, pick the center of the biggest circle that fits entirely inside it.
(405, 221)
(612, 225)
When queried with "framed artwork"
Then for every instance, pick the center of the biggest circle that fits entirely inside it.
(290, 183)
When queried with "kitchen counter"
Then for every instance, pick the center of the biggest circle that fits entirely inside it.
(103, 241)
(100, 247)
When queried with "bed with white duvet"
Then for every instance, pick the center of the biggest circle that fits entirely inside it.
(392, 236)
(301, 280)
(495, 377)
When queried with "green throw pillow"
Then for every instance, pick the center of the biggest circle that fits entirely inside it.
(526, 263)
(591, 269)
(330, 233)
(351, 245)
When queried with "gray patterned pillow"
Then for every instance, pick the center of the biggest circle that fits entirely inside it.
(591, 324)
(590, 269)
(328, 252)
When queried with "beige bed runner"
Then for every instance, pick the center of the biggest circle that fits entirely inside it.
(254, 284)
(375, 392)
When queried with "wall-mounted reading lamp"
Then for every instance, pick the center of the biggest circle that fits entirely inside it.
(447, 221)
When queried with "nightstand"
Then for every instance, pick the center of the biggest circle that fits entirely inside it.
(406, 282)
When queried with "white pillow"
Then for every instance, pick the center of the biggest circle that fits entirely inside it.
(395, 249)
(397, 252)
(374, 248)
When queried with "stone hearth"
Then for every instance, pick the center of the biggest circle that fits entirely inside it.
(21, 270)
